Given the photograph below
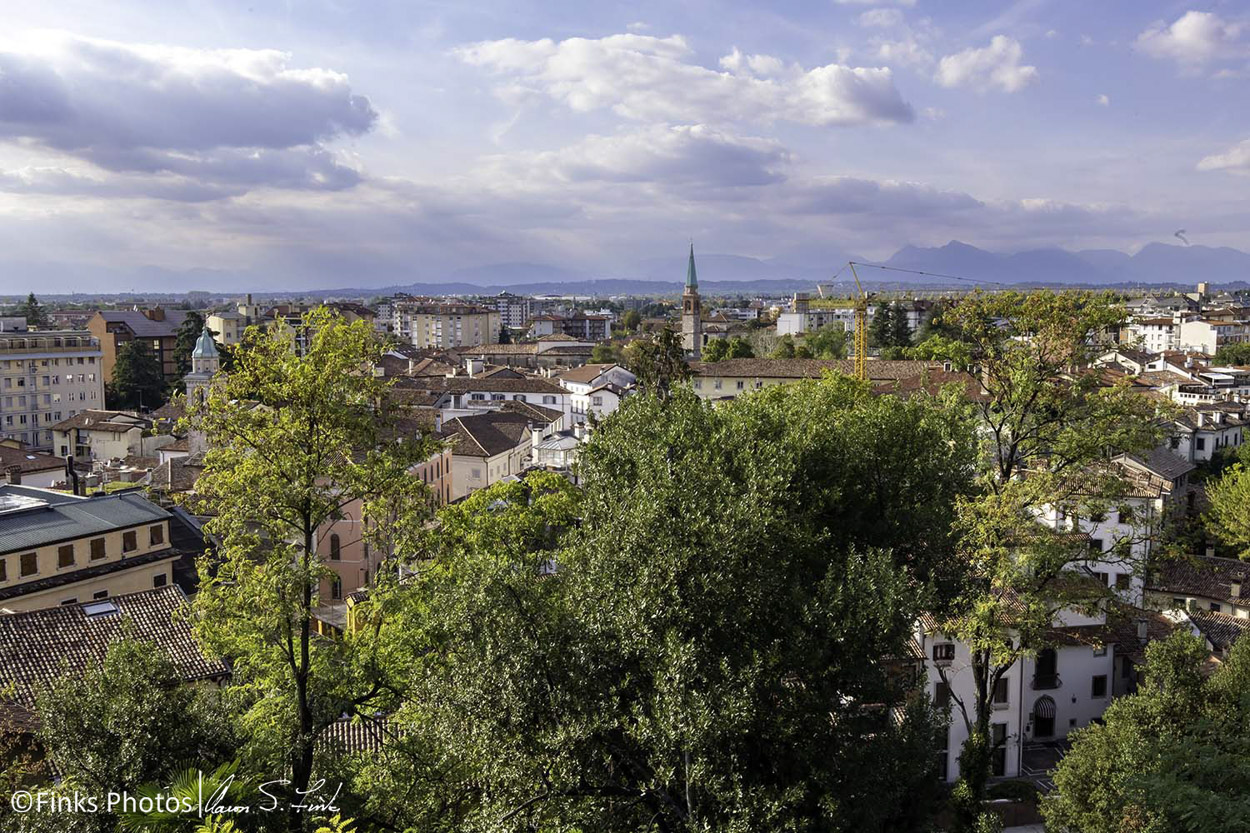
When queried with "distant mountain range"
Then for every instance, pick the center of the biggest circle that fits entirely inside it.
(953, 265)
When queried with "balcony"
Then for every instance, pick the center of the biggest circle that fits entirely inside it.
(1046, 682)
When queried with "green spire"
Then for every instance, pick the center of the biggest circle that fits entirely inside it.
(692, 279)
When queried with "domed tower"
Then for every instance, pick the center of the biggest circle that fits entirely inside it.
(691, 312)
(205, 362)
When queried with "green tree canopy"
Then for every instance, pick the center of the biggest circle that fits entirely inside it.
(604, 353)
(1234, 354)
(1173, 757)
(35, 313)
(1229, 512)
(708, 647)
(828, 342)
(719, 349)
(138, 379)
(631, 320)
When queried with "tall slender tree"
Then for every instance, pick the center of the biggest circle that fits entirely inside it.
(296, 438)
(1050, 429)
(138, 380)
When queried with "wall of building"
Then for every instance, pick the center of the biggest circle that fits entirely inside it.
(45, 378)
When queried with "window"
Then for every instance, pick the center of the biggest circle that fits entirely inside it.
(130, 541)
(1000, 692)
(65, 602)
(944, 652)
(336, 588)
(1215, 607)
(1181, 603)
(1098, 689)
(596, 400)
(100, 594)
(998, 741)
(160, 580)
(97, 549)
(717, 384)
(1100, 651)
(156, 535)
(1202, 444)
(1122, 581)
(549, 400)
(29, 564)
(1102, 578)
(4, 571)
(942, 696)
(65, 556)
(741, 384)
(336, 550)
(1095, 545)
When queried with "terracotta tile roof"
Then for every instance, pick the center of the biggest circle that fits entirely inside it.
(1203, 576)
(354, 736)
(41, 646)
(118, 422)
(1220, 629)
(878, 370)
(486, 435)
(489, 384)
(585, 374)
(27, 461)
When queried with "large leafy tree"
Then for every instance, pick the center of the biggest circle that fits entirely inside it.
(1172, 757)
(184, 341)
(719, 349)
(138, 379)
(717, 645)
(295, 437)
(1049, 431)
(127, 722)
(828, 342)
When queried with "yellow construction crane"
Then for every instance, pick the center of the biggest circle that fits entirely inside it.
(861, 328)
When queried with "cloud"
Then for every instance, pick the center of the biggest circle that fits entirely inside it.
(234, 117)
(686, 155)
(880, 18)
(1194, 39)
(652, 79)
(904, 3)
(906, 52)
(1103, 99)
(1235, 160)
(996, 66)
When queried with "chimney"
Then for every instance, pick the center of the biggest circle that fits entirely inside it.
(15, 475)
(1141, 630)
(155, 314)
(1234, 588)
(1202, 419)
(438, 421)
(536, 437)
(71, 474)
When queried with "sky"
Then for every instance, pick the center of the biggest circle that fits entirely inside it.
(233, 145)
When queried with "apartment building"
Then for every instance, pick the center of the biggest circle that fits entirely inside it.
(1207, 335)
(60, 549)
(46, 377)
(733, 377)
(434, 324)
(157, 326)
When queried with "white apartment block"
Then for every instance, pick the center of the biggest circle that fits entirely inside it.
(1207, 335)
(45, 377)
(1155, 335)
(430, 324)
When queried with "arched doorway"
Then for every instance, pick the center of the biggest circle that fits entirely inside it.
(1044, 718)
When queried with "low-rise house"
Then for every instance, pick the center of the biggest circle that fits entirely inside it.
(39, 647)
(20, 465)
(1209, 335)
(59, 549)
(103, 435)
(488, 447)
(1220, 630)
(733, 377)
(596, 389)
(1203, 582)
(490, 392)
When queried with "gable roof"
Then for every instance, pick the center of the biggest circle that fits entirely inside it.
(117, 422)
(1220, 629)
(27, 461)
(141, 325)
(1203, 575)
(587, 373)
(40, 646)
(486, 384)
(486, 435)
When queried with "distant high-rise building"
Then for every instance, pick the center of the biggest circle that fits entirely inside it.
(444, 325)
(45, 377)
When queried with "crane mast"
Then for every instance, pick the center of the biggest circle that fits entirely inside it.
(861, 328)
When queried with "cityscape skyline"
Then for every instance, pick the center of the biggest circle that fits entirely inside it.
(293, 148)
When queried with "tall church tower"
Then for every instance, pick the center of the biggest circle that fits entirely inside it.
(691, 312)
